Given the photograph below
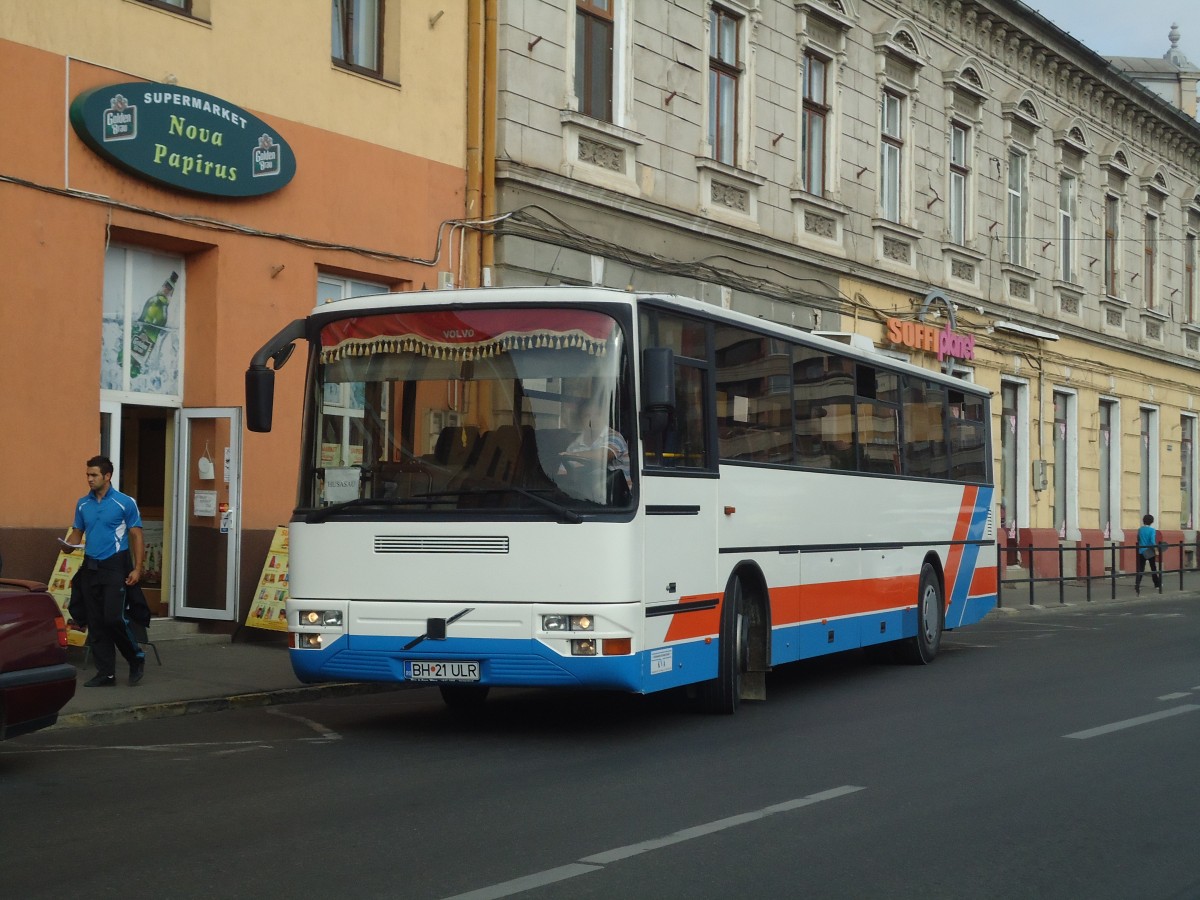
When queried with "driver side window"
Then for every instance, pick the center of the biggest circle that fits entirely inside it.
(684, 445)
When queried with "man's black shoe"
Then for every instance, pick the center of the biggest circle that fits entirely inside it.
(136, 671)
(101, 681)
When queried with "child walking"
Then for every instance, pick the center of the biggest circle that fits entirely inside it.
(1147, 552)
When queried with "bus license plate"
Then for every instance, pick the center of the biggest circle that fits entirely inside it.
(442, 670)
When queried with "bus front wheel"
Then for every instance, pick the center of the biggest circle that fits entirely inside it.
(723, 694)
(923, 647)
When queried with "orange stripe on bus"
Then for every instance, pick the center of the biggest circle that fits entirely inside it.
(984, 582)
(692, 625)
(842, 598)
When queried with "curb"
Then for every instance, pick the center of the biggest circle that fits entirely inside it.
(173, 708)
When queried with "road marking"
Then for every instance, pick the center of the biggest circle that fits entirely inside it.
(327, 734)
(598, 861)
(1133, 723)
(1178, 695)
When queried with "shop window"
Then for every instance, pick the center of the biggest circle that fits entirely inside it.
(141, 335)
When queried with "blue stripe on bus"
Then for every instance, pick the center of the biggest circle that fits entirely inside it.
(513, 663)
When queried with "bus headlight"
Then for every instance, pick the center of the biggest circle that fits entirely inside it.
(584, 647)
(308, 641)
(558, 622)
(320, 617)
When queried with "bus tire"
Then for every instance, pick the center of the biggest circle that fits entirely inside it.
(722, 695)
(921, 649)
(463, 697)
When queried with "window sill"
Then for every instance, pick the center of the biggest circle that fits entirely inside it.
(364, 74)
(727, 193)
(895, 244)
(819, 219)
(600, 153)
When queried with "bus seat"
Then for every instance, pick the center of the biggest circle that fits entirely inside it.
(454, 445)
(499, 453)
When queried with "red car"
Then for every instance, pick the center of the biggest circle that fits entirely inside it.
(36, 681)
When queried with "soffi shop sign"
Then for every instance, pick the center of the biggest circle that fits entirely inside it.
(947, 343)
(183, 139)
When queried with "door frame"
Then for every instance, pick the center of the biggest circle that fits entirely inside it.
(183, 507)
(110, 430)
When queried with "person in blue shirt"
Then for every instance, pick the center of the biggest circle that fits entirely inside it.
(1147, 552)
(112, 525)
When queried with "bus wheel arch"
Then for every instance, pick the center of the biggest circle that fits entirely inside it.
(744, 647)
(922, 648)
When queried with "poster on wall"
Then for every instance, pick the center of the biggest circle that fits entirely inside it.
(267, 610)
(59, 585)
(141, 346)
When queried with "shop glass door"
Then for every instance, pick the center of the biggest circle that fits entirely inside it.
(207, 534)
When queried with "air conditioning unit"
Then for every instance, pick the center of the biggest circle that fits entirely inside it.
(857, 341)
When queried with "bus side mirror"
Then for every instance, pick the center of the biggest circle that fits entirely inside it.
(658, 388)
(260, 398)
(260, 381)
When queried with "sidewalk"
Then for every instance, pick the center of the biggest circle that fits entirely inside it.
(199, 673)
(206, 673)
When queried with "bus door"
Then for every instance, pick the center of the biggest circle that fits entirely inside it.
(680, 551)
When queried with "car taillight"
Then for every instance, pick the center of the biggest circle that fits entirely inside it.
(60, 625)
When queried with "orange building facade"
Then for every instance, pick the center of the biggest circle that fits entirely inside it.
(133, 307)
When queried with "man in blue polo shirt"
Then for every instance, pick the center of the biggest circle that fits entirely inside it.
(112, 525)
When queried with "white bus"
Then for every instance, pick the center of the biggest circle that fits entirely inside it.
(586, 488)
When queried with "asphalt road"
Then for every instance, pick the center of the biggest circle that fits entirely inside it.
(1045, 755)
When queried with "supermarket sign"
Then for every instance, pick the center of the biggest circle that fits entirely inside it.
(183, 139)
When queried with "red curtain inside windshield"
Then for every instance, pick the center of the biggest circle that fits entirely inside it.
(466, 334)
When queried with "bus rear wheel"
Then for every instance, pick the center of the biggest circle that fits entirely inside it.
(463, 697)
(723, 694)
(921, 649)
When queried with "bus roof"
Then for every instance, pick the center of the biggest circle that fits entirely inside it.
(576, 294)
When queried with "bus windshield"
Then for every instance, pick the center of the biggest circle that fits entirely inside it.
(525, 410)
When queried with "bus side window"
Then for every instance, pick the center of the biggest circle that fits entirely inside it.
(968, 440)
(925, 417)
(823, 399)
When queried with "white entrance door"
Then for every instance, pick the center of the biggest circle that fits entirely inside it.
(207, 534)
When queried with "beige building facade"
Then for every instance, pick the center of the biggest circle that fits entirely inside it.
(836, 164)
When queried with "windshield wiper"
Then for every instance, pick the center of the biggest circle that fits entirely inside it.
(324, 512)
(564, 513)
(320, 515)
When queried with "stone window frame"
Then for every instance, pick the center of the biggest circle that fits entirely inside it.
(1072, 148)
(1023, 124)
(823, 28)
(603, 154)
(730, 193)
(900, 55)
